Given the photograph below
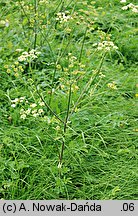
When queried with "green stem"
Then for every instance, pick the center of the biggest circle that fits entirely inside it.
(55, 69)
(68, 108)
(35, 24)
(90, 82)
(49, 108)
(83, 44)
(52, 112)
(52, 84)
(65, 125)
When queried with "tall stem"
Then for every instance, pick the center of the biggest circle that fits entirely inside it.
(35, 24)
(65, 125)
(89, 83)
(55, 69)
(83, 44)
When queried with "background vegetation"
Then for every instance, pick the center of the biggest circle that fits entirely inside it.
(68, 93)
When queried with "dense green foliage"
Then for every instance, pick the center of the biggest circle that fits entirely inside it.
(68, 93)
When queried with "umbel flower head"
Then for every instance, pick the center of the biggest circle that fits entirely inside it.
(105, 45)
(4, 23)
(123, 1)
(63, 17)
(28, 56)
(134, 8)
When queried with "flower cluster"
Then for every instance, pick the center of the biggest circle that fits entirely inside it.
(29, 56)
(19, 50)
(135, 130)
(75, 70)
(134, 8)
(14, 69)
(65, 84)
(122, 1)
(43, 2)
(4, 23)
(105, 45)
(17, 101)
(112, 85)
(32, 109)
(63, 17)
(74, 64)
(29, 111)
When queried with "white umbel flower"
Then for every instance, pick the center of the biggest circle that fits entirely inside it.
(123, 1)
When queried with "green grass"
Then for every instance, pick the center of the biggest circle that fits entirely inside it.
(83, 144)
